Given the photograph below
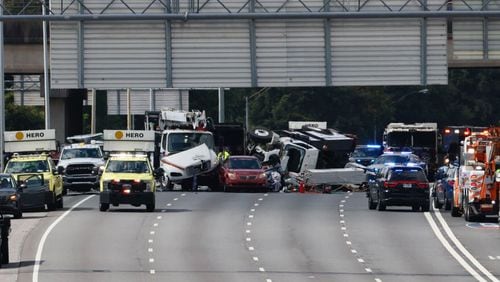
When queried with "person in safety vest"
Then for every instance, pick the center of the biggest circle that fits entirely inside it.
(224, 154)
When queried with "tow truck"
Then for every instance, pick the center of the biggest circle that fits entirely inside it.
(186, 148)
(475, 193)
(29, 149)
(128, 176)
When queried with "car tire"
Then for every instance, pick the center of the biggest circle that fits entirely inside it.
(150, 207)
(104, 207)
(468, 214)
(18, 214)
(4, 249)
(371, 204)
(425, 207)
(437, 204)
(381, 205)
(260, 135)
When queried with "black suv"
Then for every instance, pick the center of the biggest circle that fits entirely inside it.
(399, 186)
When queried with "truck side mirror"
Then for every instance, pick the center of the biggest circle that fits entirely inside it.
(60, 170)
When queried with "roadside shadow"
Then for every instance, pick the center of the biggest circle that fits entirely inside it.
(19, 264)
(144, 210)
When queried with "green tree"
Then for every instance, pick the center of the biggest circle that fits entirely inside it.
(22, 117)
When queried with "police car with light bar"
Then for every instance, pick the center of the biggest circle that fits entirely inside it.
(128, 176)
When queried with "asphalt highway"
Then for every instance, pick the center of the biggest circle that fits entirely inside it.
(209, 236)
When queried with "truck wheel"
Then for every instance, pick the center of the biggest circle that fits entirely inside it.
(53, 205)
(260, 135)
(455, 212)
(469, 214)
(60, 202)
(104, 207)
(150, 207)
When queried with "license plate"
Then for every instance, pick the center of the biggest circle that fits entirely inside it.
(407, 185)
(126, 186)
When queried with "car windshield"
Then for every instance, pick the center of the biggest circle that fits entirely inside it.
(178, 142)
(120, 166)
(81, 153)
(366, 152)
(27, 166)
(244, 164)
(412, 174)
(392, 159)
(411, 139)
(6, 182)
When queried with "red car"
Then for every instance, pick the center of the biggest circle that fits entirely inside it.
(240, 172)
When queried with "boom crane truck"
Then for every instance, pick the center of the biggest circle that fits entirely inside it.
(475, 194)
(185, 148)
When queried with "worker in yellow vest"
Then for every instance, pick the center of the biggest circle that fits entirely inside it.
(224, 154)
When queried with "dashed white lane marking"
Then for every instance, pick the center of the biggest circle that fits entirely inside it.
(151, 260)
(265, 195)
(343, 228)
(251, 248)
(255, 258)
(152, 232)
(150, 250)
(249, 223)
(252, 210)
(342, 222)
(341, 206)
(250, 216)
(150, 241)
(260, 199)
(38, 256)
(346, 235)
(175, 199)
(354, 251)
(256, 204)
(261, 269)
(248, 239)
(163, 210)
(183, 194)
(378, 280)
(248, 231)
(348, 242)
(152, 271)
(368, 270)
(158, 217)
(492, 257)
(341, 215)
(361, 260)
(498, 257)
(269, 280)
(169, 204)
(341, 210)
(155, 224)
(343, 201)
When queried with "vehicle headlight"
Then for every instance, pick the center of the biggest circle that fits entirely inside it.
(13, 197)
(231, 175)
(263, 175)
(149, 187)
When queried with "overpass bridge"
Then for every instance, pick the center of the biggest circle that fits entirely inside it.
(111, 44)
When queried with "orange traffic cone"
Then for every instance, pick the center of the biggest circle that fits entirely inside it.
(301, 187)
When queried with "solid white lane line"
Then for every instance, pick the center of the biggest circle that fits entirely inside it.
(38, 256)
(450, 249)
(462, 248)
